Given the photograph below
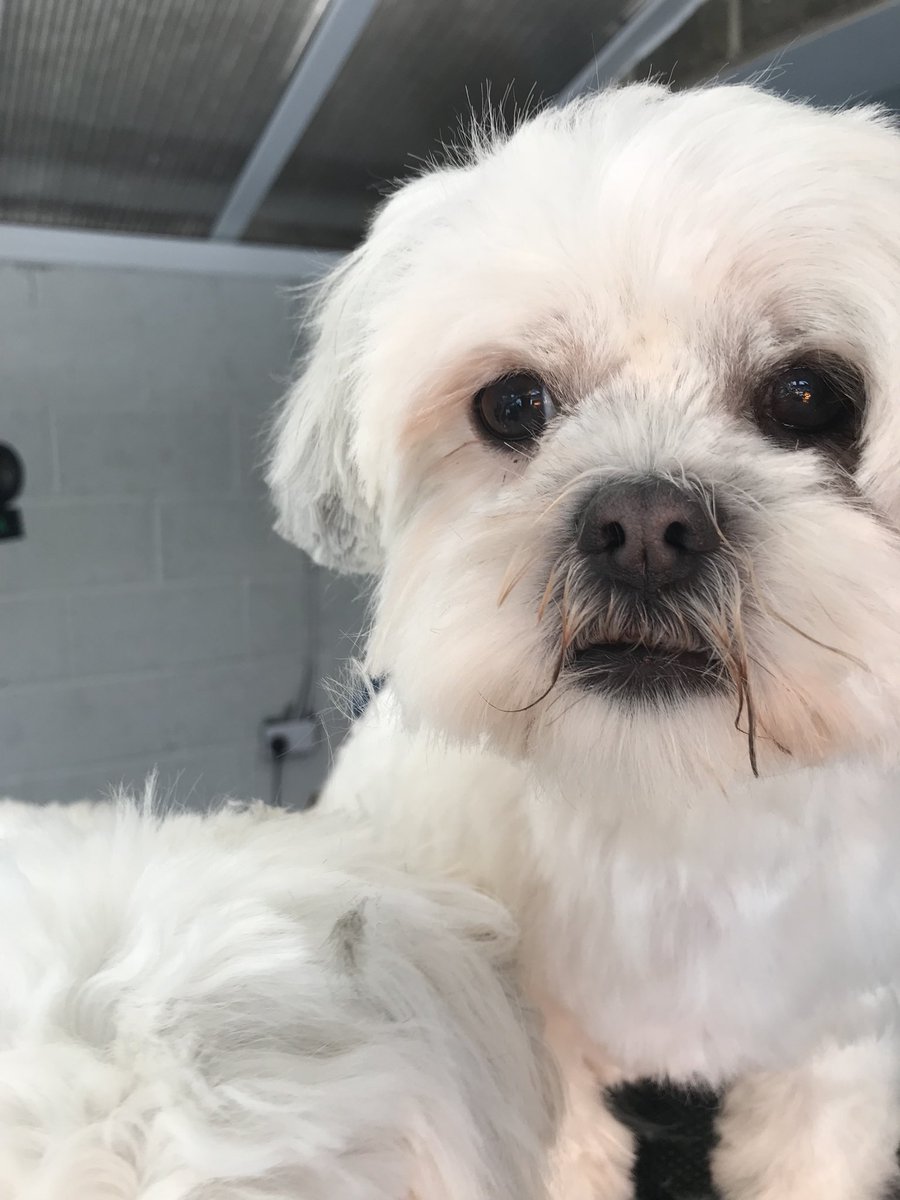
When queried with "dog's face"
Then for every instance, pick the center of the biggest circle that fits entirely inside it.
(614, 408)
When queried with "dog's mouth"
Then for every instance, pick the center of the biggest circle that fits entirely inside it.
(643, 671)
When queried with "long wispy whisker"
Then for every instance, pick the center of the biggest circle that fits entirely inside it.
(548, 590)
(512, 578)
(773, 612)
(543, 696)
(573, 485)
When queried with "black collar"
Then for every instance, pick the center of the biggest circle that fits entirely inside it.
(675, 1131)
(364, 691)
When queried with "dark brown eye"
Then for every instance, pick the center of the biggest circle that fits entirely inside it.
(807, 401)
(515, 408)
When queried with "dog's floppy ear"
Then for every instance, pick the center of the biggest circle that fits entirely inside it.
(323, 503)
(312, 474)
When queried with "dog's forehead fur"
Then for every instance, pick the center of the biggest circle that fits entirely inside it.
(640, 213)
(717, 231)
(647, 184)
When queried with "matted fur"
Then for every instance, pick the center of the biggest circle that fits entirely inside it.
(710, 887)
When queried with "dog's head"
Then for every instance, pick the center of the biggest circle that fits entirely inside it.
(613, 407)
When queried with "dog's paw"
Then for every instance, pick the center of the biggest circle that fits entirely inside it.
(594, 1154)
(824, 1131)
(582, 1174)
(802, 1172)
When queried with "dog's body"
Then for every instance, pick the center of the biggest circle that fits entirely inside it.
(646, 951)
(612, 409)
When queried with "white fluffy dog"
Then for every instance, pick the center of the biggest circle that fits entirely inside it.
(613, 409)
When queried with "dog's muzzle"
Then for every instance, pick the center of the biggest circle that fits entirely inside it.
(644, 546)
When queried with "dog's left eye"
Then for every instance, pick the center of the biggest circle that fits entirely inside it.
(806, 401)
(515, 408)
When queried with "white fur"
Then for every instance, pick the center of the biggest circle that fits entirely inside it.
(650, 255)
(248, 1006)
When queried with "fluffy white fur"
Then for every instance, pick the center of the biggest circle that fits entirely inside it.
(247, 1006)
(652, 256)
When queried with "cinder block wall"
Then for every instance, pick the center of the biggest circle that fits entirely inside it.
(150, 617)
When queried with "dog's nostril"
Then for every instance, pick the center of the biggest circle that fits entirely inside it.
(678, 535)
(612, 535)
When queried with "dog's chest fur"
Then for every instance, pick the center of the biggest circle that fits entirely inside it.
(702, 938)
(728, 933)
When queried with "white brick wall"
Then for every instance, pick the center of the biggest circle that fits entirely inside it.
(150, 617)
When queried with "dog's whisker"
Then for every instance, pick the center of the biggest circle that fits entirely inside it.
(571, 486)
(845, 654)
(548, 591)
(462, 446)
(751, 727)
(565, 612)
(770, 610)
(543, 696)
(513, 577)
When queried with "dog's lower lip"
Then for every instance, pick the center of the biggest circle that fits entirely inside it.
(636, 671)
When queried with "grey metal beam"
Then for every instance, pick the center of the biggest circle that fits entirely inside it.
(71, 247)
(652, 24)
(332, 40)
(852, 60)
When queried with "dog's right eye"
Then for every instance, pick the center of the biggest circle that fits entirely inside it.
(515, 408)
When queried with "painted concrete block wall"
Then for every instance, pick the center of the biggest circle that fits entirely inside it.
(150, 618)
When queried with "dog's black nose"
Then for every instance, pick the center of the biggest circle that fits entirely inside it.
(648, 534)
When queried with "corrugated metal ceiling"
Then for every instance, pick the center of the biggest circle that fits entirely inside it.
(138, 115)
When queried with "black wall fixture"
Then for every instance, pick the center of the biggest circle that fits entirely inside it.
(12, 480)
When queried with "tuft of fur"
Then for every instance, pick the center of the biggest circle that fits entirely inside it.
(250, 1005)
